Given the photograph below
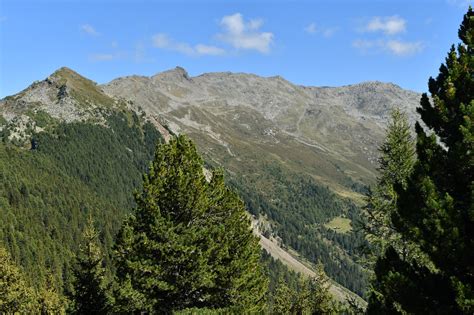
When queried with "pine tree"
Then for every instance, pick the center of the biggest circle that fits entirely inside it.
(16, 296)
(302, 303)
(90, 293)
(188, 243)
(436, 209)
(284, 299)
(395, 166)
(312, 296)
(50, 301)
(321, 299)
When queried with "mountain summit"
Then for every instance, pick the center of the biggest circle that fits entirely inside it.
(64, 94)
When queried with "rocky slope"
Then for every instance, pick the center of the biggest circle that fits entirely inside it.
(342, 126)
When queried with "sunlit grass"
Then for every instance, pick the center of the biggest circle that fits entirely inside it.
(340, 225)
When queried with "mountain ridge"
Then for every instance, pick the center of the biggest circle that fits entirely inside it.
(309, 114)
(179, 72)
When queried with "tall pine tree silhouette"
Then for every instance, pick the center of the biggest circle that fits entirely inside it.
(188, 243)
(436, 208)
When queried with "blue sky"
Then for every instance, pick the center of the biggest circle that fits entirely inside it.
(330, 43)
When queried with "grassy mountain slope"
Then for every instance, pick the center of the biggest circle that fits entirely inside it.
(343, 125)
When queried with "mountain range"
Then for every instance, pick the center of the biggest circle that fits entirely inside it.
(300, 157)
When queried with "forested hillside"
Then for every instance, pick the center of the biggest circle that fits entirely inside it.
(51, 185)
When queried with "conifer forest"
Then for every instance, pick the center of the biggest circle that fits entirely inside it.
(232, 193)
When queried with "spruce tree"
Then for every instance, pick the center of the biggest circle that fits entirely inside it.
(16, 296)
(188, 243)
(436, 209)
(90, 293)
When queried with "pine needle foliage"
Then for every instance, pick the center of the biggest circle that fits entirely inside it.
(436, 208)
(397, 157)
(188, 243)
(311, 297)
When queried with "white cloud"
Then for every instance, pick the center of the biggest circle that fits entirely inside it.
(389, 25)
(139, 54)
(163, 41)
(401, 48)
(311, 28)
(240, 34)
(102, 57)
(245, 35)
(368, 46)
(255, 24)
(89, 29)
(394, 47)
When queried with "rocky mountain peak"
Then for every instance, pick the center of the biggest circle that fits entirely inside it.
(178, 74)
(67, 78)
(64, 94)
(379, 86)
(65, 72)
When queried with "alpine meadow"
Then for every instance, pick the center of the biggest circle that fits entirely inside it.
(213, 190)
